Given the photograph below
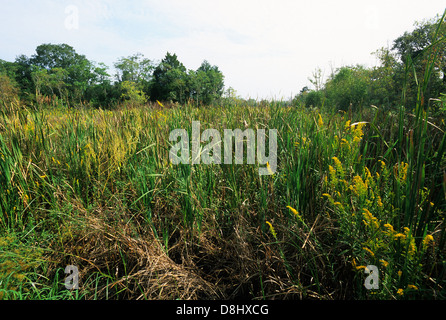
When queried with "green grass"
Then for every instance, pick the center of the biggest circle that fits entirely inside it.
(95, 189)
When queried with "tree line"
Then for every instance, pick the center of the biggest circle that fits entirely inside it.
(58, 72)
(394, 81)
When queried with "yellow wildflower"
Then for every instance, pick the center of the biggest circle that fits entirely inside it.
(369, 251)
(400, 292)
(389, 227)
(357, 131)
(379, 201)
(359, 187)
(268, 167)
(332, 172)
(369, 218)
(337, 203)
(347, 125)
(400, 236)
(338, 163)
(383, 164)
(320, 122)
(411, 286)
(384, 263)
(160, 103)
(400, 171)
(427, 240)
(295, 212)
(400, 273)
(271, 229)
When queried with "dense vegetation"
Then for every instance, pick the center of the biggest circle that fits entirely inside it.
(394, 81)
(57, 74)
(355, 185)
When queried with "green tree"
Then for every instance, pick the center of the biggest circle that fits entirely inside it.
(79, 70)
(134, 68)
(206, 84)
(169, 80)
(348, 87)
(132, 94)
(384, 88)
(416, 49)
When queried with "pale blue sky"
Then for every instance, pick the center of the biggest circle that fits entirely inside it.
(264, 48)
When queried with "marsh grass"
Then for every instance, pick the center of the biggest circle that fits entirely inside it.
(96, 189)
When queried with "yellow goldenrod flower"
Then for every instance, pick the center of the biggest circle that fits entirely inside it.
(295, 212)
(369, 251)
(271, 229)
(383, 164)
(389, 227)
(400, 292)
(427, 240)
(347, 125)
(379, 201)
(353, 263)
(338, 163)
(400, 170)
(268, 167)
(320, 122)
(384, 263)
(400, 236)
(359, 187)
(332, 172)
(357, 131)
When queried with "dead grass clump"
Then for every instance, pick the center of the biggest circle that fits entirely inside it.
(140, 267)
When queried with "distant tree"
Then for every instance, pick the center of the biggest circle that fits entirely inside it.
(134, 68)
(416, 49)
(79, 70)
(169, 80)
(384, 79)
(348, 86)
(206, 84)
(132, 94)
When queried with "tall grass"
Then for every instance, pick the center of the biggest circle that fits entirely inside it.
(96, 189)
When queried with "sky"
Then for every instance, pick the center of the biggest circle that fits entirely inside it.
(265, 49)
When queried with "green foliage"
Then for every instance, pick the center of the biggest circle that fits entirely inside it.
(348, 87)
(395, 81)
(206, 84)
(132, 94)
(169, 80)
(8, 92)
